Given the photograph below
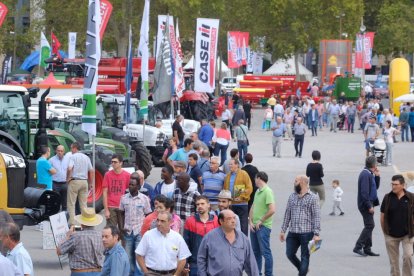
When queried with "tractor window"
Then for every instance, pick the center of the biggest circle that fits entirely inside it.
(53, 142)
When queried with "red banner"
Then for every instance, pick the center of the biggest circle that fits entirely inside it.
(364, 43)
(106, 10)
(237, 44)
(55, 45)
(3, 12)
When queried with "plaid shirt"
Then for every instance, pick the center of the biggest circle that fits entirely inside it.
(85, 249)
(135, 207)
(185, 203)
(302, 214)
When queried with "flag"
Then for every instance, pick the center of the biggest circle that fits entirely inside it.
(237, 53)
(179, 74)
(106, 11)
(206, 54)
(128, 80)
(164, 71)
(55, 45)
(44, 50)
(93, 55)
(162, 23)
(3, 12)
(72, 45)
(366, 41)
(143, 51)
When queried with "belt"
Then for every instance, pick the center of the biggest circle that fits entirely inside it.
(77, 179)
(59, 182)
(162, 272)
(86, 270)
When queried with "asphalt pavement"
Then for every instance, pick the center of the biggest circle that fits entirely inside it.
(343, 157)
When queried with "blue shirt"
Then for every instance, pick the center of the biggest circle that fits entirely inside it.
(206, 134)
(116, 262)
(212, 185)
(280, 129)
(43, 175)
(179, 155)
(61, 166)
(21, 259)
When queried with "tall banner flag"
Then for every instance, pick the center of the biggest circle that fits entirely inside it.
(93, 55)
(128, 80)
(162, 19)
(106, 10)
(179, 74)
(237, 49)
(55, 45)
(44, 50)
(249, 67)
(143, 51)
(243, 45)
(6, 69)
(257, 63)
(364, 42)
(164, 71)
(3, 12)
(205, 54)
(72, 45)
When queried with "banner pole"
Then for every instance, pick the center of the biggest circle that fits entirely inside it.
(93, 165)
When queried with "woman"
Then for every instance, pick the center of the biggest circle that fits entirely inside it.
(314, 171)
(268, 116)
(389, 134)
(173, 146)
(222, 142)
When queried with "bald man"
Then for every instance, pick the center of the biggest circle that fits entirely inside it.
(146, 188)
(60, 163)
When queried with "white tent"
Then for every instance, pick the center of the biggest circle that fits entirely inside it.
(224, 69)
(287, 67)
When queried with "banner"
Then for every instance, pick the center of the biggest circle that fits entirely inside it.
(257, 63)
(72, 45)
(164, 71)
(44, 50)
(3, 12)
(243, 46)
(106, 10)
(143, 52)
(162, 19)
(366, 42)
(93, 55)
(205, 54)
(55, 45)
(7, 64)
(179, 74)
(128, 80)
(249, 67)
(237, 47)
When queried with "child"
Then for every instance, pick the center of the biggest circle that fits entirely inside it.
(337, 193)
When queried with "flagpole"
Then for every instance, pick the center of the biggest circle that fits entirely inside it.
(93, 178)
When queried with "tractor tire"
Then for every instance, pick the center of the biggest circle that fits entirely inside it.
(156, 157)
(143, 159)
(100, 170)
(200, 111)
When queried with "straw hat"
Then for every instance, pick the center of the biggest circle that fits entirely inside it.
(225, 194)
(89, 217)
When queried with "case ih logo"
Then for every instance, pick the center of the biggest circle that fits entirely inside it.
(207, 53)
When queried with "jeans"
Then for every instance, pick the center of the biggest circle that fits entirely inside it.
(314, 127)
(131, 243)
(412, 133)
(242, 212)
(389, 153)
(404, 132)
(299, 144)
(365, 239)
(222, 150)
(260, 240)
(293, 242)
(351, 122)
(193, 269)
(242, 147)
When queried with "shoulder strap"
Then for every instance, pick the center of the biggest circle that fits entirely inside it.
(244, 133)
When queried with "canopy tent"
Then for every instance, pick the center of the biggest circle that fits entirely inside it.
(33, 59)
(285, 67)
(50, 80)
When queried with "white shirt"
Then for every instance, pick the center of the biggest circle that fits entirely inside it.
(337, 193)
(81, 164)
(388, 135)
(8, 268)
(162, 252)
(168, 189)
(226, 115)
(21, 258)
(278, 109)
(61, 166)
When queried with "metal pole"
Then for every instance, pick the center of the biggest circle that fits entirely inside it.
(14, 51)
(93, 165)
(340, 27)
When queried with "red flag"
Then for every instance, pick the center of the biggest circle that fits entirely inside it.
(363, 60)
(106, 10)
(3, 12)
(55, 45)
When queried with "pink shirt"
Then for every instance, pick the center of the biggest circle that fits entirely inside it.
(116, 184)
(223, 133)
(151, 220)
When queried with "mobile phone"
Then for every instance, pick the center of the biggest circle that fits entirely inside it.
(77, 228)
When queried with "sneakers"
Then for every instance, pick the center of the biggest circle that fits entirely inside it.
(332, 214)
(342, 213)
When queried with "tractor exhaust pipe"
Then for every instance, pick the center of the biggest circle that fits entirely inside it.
(41, 135)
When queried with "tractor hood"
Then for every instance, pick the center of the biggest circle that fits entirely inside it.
(153, 136)
(188, 125)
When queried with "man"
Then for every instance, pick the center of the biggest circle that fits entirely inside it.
(206, 133)
(134, 206)
(368, 184)
(8, 268)
(371, 132)
(260, 220)
(278, 130)
(226, 117)
(213, 256)
(85, 248)
(234, 154)
(44, 170)
(185, 200)
(278, 110)
(4, 218)
(203, 161)
(196, 227)
(114, 184)
(194, 171)
(17, 254)
(251, 171)
(166, 186)
(116, 259)
(224, 203)
(313, 120)
(403, 119)
(212, 182)
(247, 107)
(60, 163)
(146, 188)
(79, 169)
(240, 185)
(198, 145)
(397, 225)
(238, 115)
(182, 153)
(334, 110)
(351, 112)
(242, 140)
(272, 102)
(302, 217)
(299, 129)
(181, 167)
(177, 129)
(162, 251)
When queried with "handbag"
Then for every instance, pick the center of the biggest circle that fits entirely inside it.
(247, 139)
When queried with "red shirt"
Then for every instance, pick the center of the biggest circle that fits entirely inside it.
(116, 184)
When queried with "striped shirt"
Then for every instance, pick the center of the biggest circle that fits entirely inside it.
(302, 214)
(213, 184)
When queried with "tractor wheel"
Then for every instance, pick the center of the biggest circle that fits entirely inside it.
(200, 111)
(156, 158)
(143, 159)
(100, 170)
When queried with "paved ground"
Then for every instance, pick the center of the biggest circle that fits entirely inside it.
(342, 158)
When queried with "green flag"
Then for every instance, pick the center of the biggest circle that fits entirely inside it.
(44, 50)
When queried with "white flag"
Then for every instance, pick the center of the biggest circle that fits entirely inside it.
(72, 45)
(44, 50)
(143, 51)
(179, 74)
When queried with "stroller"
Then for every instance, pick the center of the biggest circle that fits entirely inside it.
(341, 122)
(378, 149)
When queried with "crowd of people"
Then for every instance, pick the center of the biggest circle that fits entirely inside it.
(210, 213)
